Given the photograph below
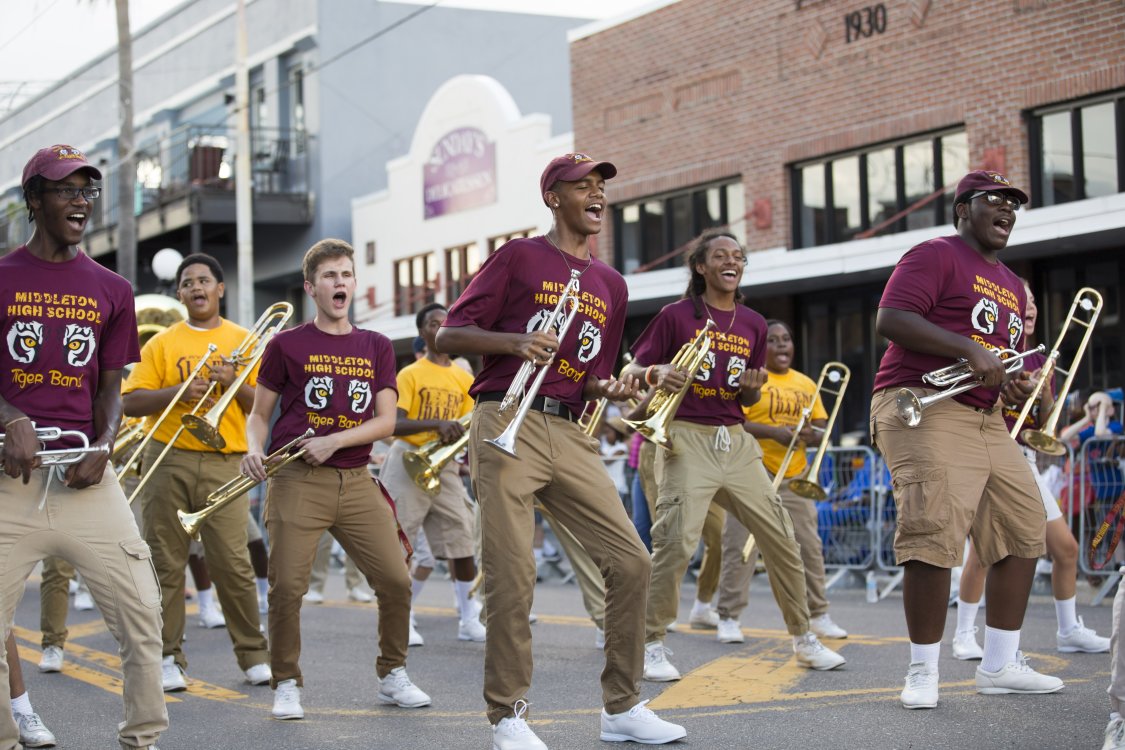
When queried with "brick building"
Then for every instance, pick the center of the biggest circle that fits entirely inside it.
(830, 134)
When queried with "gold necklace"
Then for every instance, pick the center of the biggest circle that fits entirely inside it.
(589, 261)
(710, 317)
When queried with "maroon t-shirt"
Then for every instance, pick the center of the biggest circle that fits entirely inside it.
(517, 287)
(63, 323)
(327, 382)
(738, 341)
(952, 286)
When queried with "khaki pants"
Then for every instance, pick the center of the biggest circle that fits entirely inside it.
(1116, 687)
(734, 584)
(690, 477)
(54, 601)
(711, 566)
(93, 530)
(562, 468)
(182, 482)
(303, 502)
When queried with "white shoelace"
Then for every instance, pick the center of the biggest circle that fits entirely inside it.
(516, 723)
(722, 439)
(660, 653)
(917, 678)
(639, 711)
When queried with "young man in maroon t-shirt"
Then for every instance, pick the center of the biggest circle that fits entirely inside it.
(339, 381)
(68, 326)
(959, 472)
(499, 316)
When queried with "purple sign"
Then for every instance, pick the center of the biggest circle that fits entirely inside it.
(460, 173)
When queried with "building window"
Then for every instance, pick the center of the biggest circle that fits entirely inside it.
(1076, 150)
(460, 265)
(838, 198)
(653, 232)
(497, 242)
(370, 253)
(415, 283)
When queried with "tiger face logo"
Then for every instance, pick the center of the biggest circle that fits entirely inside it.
(536, 322)
(359, 396)
(704, 372)
(1015, 330)
(735, 367)
(317, 391)
(589, 341)
(25, 339)
(78, 341)
(985, 315)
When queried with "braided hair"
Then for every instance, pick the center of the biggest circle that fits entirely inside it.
(696, 255)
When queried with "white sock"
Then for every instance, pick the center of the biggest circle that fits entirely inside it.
(206, 599)
(927, 653)
(461, 591)
(966, 614)
(416, 589)
(263, 586)
(22, 705)
(1000, 647)
(538, 552)
(1064, 611)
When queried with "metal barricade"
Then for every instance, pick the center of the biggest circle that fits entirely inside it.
(844, 519)
(1095, 484)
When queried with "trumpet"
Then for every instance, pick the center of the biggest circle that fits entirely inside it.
(424, 464)
(240, 485)
(833, 372)
(61, 456)
(589, 424)
(1044, 440)
(664, 404)
(910, 405)
(131, 432)
(559, 318)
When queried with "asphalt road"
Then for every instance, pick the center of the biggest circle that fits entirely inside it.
(745, 696)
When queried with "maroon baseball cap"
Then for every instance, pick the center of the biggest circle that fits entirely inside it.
(986, 181)
(571, 168)
(57, 163)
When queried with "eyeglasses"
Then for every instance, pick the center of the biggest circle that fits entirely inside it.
(70, 193)
(993, 198)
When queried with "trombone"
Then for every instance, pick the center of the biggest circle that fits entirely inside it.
(1044, 440)
(559, 318)
(424, 464)
(664, 404)
(240, 485)
(910, 405)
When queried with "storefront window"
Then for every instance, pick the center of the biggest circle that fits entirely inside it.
(415, 283)
(1076, 151)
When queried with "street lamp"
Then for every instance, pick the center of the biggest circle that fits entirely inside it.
(165, 263)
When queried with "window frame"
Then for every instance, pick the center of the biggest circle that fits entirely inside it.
(1078, 166)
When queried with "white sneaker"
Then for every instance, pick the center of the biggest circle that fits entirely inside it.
(33, 732)
(83, 602)
(657, 666)
(639, 724)
(359, 594)
(599, 638)
(211, 617)
(965, 646)
(813, 654)
(259, 674)
(1016, 677)
(730, 631)
(1115, 735)
(532, 618)
(415, 638)
(470, 630)
(172, 676)
(475, 608)
(702, 616)
(52, 659)
(287, 701)
(397, 688)
(513, 733)
(672, 627)
(1082, 638)
(825, 628)
(312, 596)
(921, 689)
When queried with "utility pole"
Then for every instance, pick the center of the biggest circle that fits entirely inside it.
(126, 157)
(243, 189)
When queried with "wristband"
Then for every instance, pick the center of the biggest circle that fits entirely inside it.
(17, 419)
(648, 373)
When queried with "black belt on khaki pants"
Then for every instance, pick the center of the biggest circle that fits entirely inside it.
(545, 404)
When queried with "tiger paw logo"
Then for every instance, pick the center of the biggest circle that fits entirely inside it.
(536, 322)
(78, 341)
(1015, 329)
(317, 392)
(359, 396)
(703, 374)
(735, 367)
(985, 315)
(589, 341)
(25, 339)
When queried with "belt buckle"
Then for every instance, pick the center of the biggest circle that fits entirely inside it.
(551, 406)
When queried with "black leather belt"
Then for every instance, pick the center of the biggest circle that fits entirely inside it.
(545, 404)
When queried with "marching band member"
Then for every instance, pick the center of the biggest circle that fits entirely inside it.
(340, 381)
(192, 470)
(498, 316)
(785, 395)
(63, 369)
(958, 472)
(433, 393)
(706, 461)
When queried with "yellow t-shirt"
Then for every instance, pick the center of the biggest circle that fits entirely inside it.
(783, 399)
(169, 357)
(430, 391)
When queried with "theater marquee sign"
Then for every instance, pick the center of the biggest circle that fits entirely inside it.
(460, 173)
